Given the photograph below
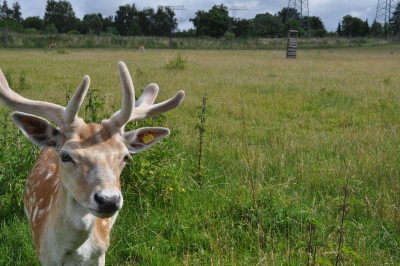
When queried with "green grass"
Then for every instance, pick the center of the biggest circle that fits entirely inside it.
(309, 121)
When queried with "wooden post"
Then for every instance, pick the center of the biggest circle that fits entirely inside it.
(229, 41)
(397, 38)
(5, 37)
(317, 42)
(377, 39)
(276, 41)
(170, 42)
(98, 40)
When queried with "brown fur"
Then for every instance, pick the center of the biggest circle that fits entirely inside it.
(39, 192)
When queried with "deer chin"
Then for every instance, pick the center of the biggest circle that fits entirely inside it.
(99, 214)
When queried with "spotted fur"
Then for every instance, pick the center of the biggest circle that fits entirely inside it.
(73, 194)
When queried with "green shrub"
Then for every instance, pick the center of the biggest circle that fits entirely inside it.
(61, 50)
(75, 32)
(177, 63)
(321, 33)
(51, 28)
(174, 45)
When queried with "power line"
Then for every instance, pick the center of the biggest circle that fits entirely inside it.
(234, 8)
(172, 7)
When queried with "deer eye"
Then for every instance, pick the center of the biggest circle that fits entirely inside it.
(65, 158)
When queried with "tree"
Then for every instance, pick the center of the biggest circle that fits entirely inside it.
(195, 22)
(291, 24)
(352, 25)
(215, 22)
(165, 22)
(124, 18)
(146, 21)
(284, 13)
(339, 30)
(266, 25)
(377, 28)
(5, 11)
(395, 19)
(315, 23)
(91, 23)
(387, 28)
(33, 23)
(61, 15)
(134, 30)
(51, 28)
(366, 29)
(321, 33)
(16, 13)
(107, 22)
(242, 27)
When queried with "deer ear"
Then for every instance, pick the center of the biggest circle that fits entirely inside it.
(38, 130)
(143, 138)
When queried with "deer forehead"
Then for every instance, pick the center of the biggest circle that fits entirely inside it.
(93, 142)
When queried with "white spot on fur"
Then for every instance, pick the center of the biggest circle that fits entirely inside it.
(55, 183)
(49, 175)
(34, 214)
(41, 213)
(104, 223)
(51, 201)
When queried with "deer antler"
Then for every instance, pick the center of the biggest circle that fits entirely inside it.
(143, 108)
(63, 117)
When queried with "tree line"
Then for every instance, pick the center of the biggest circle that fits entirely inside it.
(129, 20)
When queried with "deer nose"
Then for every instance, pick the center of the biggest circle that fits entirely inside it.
(108, 202)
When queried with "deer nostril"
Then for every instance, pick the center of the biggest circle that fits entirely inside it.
(99, 200)
(108, 203)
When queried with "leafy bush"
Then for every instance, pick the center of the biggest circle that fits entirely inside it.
(112, 31)
(174, 45)
(74, 32)
(11, 25)
(321, 33)
(177, 63)
(229, 35)
(51, 28)
(61, 50)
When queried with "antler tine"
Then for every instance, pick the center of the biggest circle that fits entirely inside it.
(121, 117)
(144, 107)
(58, 114)
(70, 113)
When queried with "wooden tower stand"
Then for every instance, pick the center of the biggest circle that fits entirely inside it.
(291, 50)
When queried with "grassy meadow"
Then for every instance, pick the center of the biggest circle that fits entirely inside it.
(328, 115)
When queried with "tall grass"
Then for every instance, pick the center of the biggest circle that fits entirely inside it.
(39, 40)
(306, 120)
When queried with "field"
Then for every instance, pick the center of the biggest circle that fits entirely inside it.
(328, 115)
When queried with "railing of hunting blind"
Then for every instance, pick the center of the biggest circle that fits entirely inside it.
(291, 49)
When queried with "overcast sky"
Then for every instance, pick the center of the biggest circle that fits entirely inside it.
(330, 11)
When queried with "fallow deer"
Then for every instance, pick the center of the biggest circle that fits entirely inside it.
(73, 193)
(140, 47)
(392, 53)
(50, 44)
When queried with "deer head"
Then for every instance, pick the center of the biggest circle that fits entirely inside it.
(91, 156)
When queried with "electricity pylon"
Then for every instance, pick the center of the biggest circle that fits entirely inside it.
(300, 7)
(384, 13)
